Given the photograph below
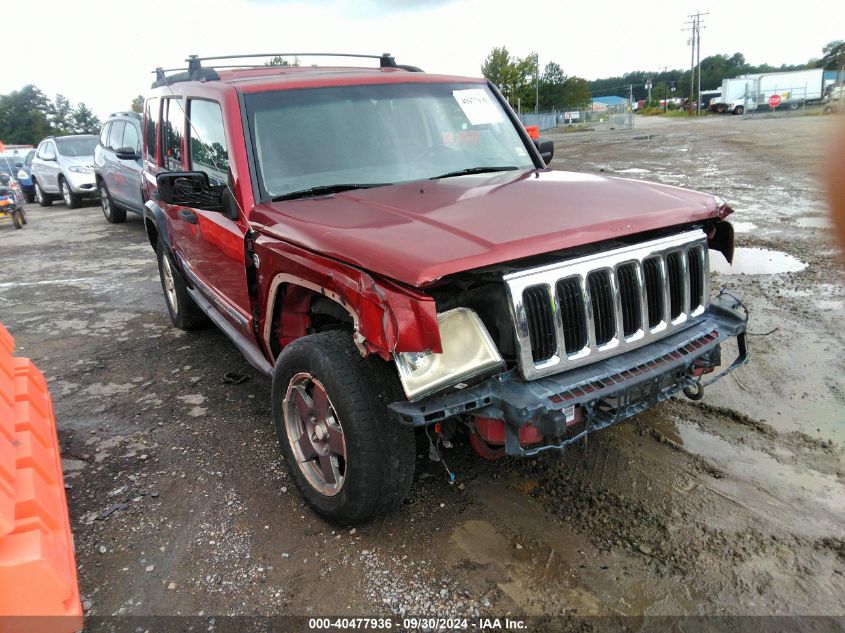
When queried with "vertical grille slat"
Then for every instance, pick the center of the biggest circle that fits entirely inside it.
(696, 277)
(573, 313)
(675, 269)
(604, 317)
(593, 306)
(629, 291)
(654, 291)
(538, 308)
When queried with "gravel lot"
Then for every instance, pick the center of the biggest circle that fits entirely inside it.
(731, 506)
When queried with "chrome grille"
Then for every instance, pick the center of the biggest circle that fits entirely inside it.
(576, 312)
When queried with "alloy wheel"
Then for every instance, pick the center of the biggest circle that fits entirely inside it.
(315, 434)
(169, 284)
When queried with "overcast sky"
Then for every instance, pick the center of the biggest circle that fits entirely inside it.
(102, 52)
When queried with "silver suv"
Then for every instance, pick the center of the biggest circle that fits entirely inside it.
(117, 166)
(64, 166)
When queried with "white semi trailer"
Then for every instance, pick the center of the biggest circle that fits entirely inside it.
(751, 92)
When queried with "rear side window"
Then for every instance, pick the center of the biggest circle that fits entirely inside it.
(131, 138)
(209, 150)
(150, 125)
(116, 134)
(174, 122)
(104, 135)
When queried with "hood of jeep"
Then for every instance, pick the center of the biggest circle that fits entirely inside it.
(421, 231)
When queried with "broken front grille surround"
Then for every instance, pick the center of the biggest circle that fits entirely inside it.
(579, 311)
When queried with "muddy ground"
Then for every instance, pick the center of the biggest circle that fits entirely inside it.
(735, 505)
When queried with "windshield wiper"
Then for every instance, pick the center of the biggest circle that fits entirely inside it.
(327, 189)
(474, 170)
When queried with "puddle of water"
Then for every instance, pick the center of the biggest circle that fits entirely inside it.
(820, 222)
(757, 261)
(744, 227)
(796, 489)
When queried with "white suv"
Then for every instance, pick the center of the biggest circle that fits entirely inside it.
(64, 166)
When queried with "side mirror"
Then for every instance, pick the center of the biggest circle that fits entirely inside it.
(127, 153)
(189, 189)
(18, 164)
(546, 149)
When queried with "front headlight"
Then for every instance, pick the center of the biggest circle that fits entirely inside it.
(81, 169)
(468, 352)
(22, 175)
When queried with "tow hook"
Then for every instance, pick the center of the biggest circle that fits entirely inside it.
(694, 391)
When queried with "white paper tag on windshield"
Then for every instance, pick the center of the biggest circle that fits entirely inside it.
(477, 106)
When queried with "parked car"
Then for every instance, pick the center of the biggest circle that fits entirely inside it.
(24, 177)
(64, 167)
(391, 248)
(18, 163)
(834, 100)
(117, 166)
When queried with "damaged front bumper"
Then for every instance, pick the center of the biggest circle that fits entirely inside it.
(565, 407)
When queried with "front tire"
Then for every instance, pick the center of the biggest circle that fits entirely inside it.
(44, 199)
(739, 110)
(72, 201)
(349, 458)
(184, 313)
(113, 214)
(16, 220)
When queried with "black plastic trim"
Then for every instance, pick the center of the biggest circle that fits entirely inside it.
(507, 396)
(253, 355)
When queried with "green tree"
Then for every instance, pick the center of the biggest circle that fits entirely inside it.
(498, 69)
(515, 77)
(525, 81)
(138, 104)
(833, 55)
(278, 60)
(576, 93)
(551, 87)
(24, 116)
(59, 115)
(84, 120)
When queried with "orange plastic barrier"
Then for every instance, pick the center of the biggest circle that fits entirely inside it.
(533, 131)
(37, 565)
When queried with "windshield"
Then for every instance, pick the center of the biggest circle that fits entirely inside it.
(77, 145)
(7, 164)
(378, 134)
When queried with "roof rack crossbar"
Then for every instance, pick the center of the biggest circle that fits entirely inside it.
(386, 59)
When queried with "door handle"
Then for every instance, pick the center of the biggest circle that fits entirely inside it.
(189, 216)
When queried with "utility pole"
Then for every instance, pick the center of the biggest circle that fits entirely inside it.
(695, 51)
(648, 87)
(537, 98)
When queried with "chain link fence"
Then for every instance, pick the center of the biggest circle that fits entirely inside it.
(580, 119)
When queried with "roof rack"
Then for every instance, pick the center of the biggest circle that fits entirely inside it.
(126, 113)
(195, 71)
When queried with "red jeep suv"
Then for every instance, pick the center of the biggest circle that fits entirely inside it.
(391, 247)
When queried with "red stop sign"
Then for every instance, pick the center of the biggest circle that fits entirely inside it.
(774, 101)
